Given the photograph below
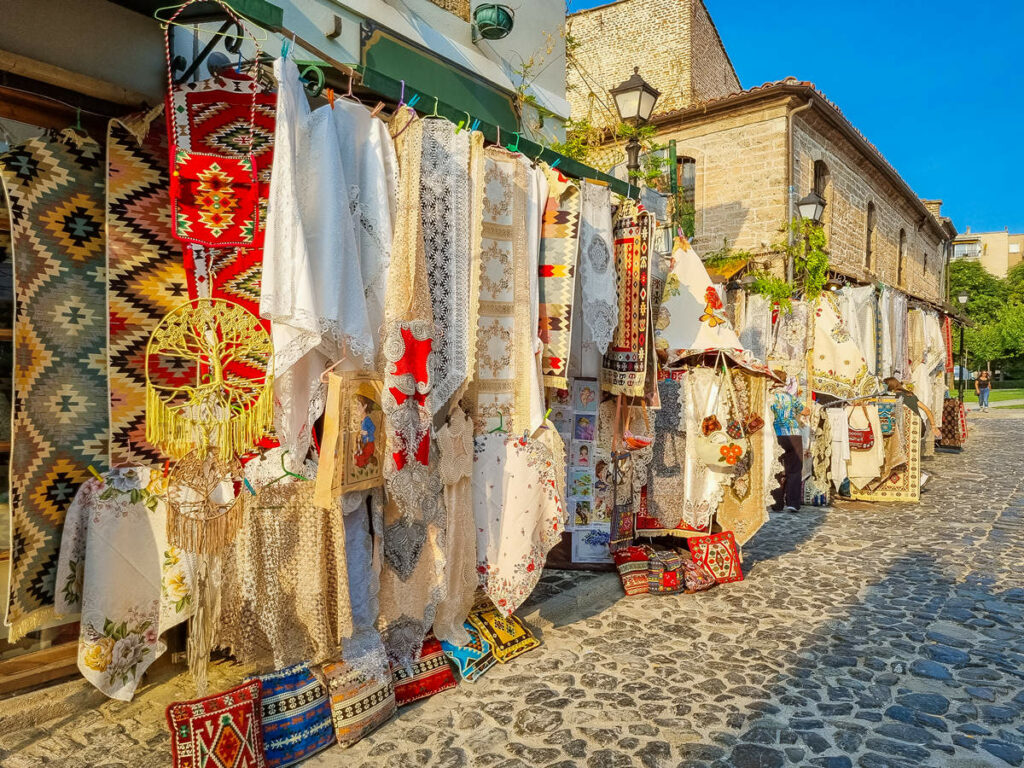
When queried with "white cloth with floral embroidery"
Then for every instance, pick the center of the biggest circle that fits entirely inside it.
(117, 570)
(519, 509)
(837, 365)
(599, 305)
(312, 288)
(703, 488)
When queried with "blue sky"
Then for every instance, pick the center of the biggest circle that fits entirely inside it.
(936, 85)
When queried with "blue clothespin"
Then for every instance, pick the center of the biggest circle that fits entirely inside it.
(413, 100)
(555, 164)
(285, 43)
(476, 124)
(248, 485)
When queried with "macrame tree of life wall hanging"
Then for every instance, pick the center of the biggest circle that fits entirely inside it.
(199, 400)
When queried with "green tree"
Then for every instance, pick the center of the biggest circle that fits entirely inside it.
(1015, 284)
(987, 293)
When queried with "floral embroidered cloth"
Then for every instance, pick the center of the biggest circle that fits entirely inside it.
(520, 511)
(600, 309)
(118, 571)
(838, 367)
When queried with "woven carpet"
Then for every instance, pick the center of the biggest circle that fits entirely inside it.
(54, 187)
(146, 278)
(559, 245)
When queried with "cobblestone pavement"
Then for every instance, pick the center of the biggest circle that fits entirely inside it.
(870, 635)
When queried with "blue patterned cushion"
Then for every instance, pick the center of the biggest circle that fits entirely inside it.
(296, 716)
(472, 659)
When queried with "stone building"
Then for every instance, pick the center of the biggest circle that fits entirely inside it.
(674, 42)
(744, 157)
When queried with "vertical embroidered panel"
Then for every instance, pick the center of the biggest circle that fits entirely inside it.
(145, 276)
(559, 246)
(500, 392)
(60, 421)
(624, 368)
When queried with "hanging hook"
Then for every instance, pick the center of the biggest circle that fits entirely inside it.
(462, 124)
(401, 98)
(515, 148)
(349, 94)
(434, 113)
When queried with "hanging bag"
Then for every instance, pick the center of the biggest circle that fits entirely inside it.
(718, 449)
(861, 438)
(214, 197)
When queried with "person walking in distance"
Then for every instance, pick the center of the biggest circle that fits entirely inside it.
(982, 388)
(787, 411)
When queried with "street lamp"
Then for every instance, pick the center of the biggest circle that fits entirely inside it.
(634, 101)
(962, 298)
(811, 207)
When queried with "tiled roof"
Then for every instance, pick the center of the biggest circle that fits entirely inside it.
(791, 84)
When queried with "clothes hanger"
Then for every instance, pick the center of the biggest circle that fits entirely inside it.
(501, 424)
(462, 124)
(287, 473)
(433, 115)
(344, 357)
(514, 148)
(351, 96)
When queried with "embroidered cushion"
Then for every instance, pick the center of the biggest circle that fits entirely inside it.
(632, 565)
(219, 730)
(296, 716)
(507, 635)
(665, 572)
(719, 554)
(360, 702)
(473, 659)
(214, 199)
(430, 674)
(696, 576)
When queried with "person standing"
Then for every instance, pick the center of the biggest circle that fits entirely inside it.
(982, 388)
(787, 410)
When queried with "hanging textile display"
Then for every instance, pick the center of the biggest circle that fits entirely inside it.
(624, 368)
(662, 513)
(312, 289)
(284, 594)
(448, 193)
(859, 316)
(837, 366)
(212, 404)
(559, 246)
(900, 336)
(904, 484)
(519, 509)
(60, 425)
(867, 452)
(745, 502)
(791, 335)
(117, 570)
(145, 276)
(353, 447)
(947, 337)
(413, 523)
(756, 333)
(455, 463)
(505, 392)
(203, 513)
(600, 308)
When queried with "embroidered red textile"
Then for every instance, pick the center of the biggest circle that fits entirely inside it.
(218, 731)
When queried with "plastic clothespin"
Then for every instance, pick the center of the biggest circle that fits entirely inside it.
(546, 414)
(285, 47)
(329, 92)
(94, 473)
(555, 164)
(462, 124)
(476, 124)
(248, 485)
(167, 467)
(412, 102)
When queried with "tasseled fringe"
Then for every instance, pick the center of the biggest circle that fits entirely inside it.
(31, 622)
(177, 434)
(204, 536)
(201, 625)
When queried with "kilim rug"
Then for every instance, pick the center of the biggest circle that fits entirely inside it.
(214, 116)
(54, 187)
(559, 245)
(624, 369)
(145, 276)
(905, 483)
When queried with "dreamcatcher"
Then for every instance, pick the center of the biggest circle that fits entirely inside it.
(219, 360)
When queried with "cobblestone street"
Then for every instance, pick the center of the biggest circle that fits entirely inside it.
(867, 636)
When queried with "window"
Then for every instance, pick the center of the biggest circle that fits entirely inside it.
(1014, 247)
(869, 237)
(967, 250)
(821, 178)
(901, 257)
(686, 178)
(924, 264)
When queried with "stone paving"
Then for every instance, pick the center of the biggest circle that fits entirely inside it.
(870, 636)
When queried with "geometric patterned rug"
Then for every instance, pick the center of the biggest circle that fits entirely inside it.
(145, 276)
(55, 193)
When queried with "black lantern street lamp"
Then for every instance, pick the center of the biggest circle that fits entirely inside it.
(962, 298)
(634, 100)
(811, 207)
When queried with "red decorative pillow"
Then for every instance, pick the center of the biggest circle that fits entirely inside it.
(718, 554)
(430, 674)
(632, 564)
(223, 730)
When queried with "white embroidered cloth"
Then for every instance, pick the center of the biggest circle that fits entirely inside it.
(757, 326)
(117, 569)
(703, 488)
(859, 315)
(312, 287)
(838, 367)
(599, 303)
(519, 510)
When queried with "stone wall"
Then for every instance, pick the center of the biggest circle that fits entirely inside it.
(853, 183)
(459, 7)
(663, 38)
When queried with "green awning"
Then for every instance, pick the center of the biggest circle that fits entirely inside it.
(267, 15)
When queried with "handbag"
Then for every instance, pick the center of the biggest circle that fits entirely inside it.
(718, 449)
(665, 574)
(718, 554)
(861, 439)
(214, 198)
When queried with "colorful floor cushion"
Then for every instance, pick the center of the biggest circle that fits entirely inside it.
(430, 674)
(219, 731)
(361, 702)
(507, 635)
(632, 564)
(718, 554)
(472, 659)
(296, 716)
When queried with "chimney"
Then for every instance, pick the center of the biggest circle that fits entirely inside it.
(968, 230)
